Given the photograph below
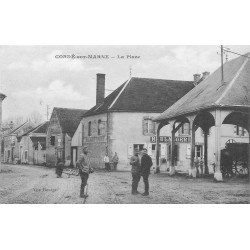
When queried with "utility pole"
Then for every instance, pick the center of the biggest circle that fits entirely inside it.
(48, 112)
(222, 70)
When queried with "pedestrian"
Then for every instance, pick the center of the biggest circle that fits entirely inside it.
(115, 161)
(201, 164)
(83, 164)
(196, 163)
(135, 170)
(145, 163)
(106, 162)
(59, 168)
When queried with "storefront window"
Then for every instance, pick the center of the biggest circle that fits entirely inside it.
(138, 147)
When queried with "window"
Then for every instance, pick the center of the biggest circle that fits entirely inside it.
(52, 140)
(89, 129)
(185, 129)
(239, 131)
(198, 151)
(59, 140)
(138, 147)
(148, 126)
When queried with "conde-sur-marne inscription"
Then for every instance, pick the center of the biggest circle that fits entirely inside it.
(73, 56)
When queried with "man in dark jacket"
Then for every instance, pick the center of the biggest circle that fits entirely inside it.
(146, 163)
(59, 168)
(135, 170)
(83, 164)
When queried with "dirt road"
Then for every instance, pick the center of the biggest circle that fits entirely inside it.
(38, 185)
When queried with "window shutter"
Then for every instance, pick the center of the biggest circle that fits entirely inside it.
(235, 130)
(150, 149)
(130, 150)
(143, 126)
(188, 154)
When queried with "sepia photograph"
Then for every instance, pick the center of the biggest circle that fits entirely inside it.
(125, 124)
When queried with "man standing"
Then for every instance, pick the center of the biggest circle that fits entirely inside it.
(106, 162)
(115, 161)
(83, 164)
(146, 164)
(135, 170)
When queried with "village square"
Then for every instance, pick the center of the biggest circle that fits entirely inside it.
(191, 135)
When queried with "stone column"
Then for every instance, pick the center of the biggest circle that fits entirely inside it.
(158, 149)
(172, 167)
(192, 171)
(205, 131)
(217, 174)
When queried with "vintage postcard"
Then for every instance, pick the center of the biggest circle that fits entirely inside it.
(125, 124)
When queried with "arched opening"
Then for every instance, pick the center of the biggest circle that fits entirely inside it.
(162, 146)
(205, 121)
(237, 147)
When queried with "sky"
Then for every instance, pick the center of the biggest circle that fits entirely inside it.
(33, 77)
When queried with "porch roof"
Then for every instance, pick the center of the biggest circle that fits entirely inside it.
(212, 93)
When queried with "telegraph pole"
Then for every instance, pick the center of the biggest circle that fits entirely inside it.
(222, 70)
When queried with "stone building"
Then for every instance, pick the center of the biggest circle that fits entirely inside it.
(32, 146)
(62, 126)
(123, 121)
(12, 140)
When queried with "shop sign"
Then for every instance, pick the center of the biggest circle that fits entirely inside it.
(183, 139)
(161, 139)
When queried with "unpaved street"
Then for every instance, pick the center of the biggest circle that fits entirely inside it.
(34, 184)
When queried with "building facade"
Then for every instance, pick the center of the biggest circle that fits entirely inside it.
(123, 121)
(12, 141)
(32, 146)
(62, 126)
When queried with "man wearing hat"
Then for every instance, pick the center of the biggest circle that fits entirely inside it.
(135, 170)
(145, 163)
(83, 164)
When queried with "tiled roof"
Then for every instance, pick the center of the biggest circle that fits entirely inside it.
(143, 95)
(69, 119)
(211, 93)
(106, 104)
(41, 129)
(16, 129)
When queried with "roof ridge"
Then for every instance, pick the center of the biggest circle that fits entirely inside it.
(112, 104)
(232, 81)
(161, 79)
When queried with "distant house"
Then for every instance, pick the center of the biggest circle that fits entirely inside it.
(32, 146)
(123, 121)
(12, 140)
(62, 126)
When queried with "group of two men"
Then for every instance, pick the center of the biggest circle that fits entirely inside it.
(141, 164)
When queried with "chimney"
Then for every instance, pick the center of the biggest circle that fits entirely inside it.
(205, 75)
(100, 88)
(197, 78)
